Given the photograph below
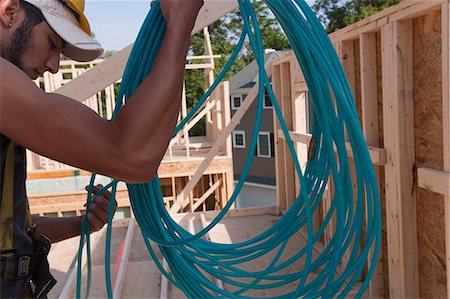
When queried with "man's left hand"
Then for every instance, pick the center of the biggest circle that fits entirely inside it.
(98, 214)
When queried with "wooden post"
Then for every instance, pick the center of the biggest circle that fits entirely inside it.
(228, 177)
(446, 122)
(226, 116)
(209, 78)
(279, 153)
(286, 104)
(398, 113)
(121, 275)
(369, 94)
(347, 56)
(185, 138)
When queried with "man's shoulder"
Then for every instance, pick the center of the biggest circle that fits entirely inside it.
(11, 69)
(13, 79)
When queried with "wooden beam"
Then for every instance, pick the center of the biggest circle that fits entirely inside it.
(445, 11)
(121, 274)
(434, 180)
(69, 287)
(398, 115)
(219, 283)
(241, 212)
(205, 196)
(413, 8)
(112, 69)
(378, 155)
(164, 294)
(181, 168)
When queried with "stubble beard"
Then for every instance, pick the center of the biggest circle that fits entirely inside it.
(17, 44)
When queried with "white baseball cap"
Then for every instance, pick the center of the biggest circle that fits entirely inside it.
(67, 19)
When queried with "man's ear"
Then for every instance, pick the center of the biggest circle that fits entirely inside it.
(8, 12)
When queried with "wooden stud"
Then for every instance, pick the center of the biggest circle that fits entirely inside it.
(434, 180)
(69, 287)
(377, 155)
(219, 283)
(164, 294)
(398, 115)
(286, 106)
(445, 11)
(214, 188)
(369, 102)
(121, 274)
(279, 152)
(183, 115)
(347, 57)
(228, 148)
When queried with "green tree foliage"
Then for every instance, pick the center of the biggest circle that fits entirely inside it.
(336, 14)
(225, 34)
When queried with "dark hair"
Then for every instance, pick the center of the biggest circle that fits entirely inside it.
(33, 15)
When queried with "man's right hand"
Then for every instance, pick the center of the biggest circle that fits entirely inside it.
(182, 13)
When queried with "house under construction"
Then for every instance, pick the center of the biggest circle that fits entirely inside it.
(398, 66)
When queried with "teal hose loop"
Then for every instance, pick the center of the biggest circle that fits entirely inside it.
(334, 113)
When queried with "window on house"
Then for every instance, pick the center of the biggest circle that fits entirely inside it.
(264, 149)
(239, 139)
(267, 102)
(236, 102)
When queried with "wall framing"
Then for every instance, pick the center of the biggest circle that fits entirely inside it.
(392, 131)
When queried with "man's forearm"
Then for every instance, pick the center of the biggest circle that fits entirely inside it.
(57, 229)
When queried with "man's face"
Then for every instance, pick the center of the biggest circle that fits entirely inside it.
(34, 49)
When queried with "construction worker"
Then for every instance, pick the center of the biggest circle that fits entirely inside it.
(33, 34)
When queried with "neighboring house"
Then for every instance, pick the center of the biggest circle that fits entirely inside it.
(262, 170)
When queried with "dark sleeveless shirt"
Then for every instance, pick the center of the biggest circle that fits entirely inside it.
(21, 240)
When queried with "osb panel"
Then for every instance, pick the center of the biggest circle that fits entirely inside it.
(429, 153)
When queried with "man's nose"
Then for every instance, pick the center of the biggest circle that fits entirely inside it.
(53, 62)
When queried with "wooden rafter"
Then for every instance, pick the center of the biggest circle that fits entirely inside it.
(112, 69)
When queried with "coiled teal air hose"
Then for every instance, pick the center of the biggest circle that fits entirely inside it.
(190, 257)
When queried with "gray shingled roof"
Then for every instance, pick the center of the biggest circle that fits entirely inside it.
(245, 79)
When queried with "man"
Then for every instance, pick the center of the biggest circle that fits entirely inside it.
(33, 34)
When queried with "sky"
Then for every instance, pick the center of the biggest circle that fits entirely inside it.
(116, 23)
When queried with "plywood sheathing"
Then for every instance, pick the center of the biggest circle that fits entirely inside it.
(429, 153)
(231, 231)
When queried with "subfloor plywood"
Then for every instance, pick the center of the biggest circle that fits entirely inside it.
(143, 278)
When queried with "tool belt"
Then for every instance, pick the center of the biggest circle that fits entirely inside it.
(35, 265)
(14, 267)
